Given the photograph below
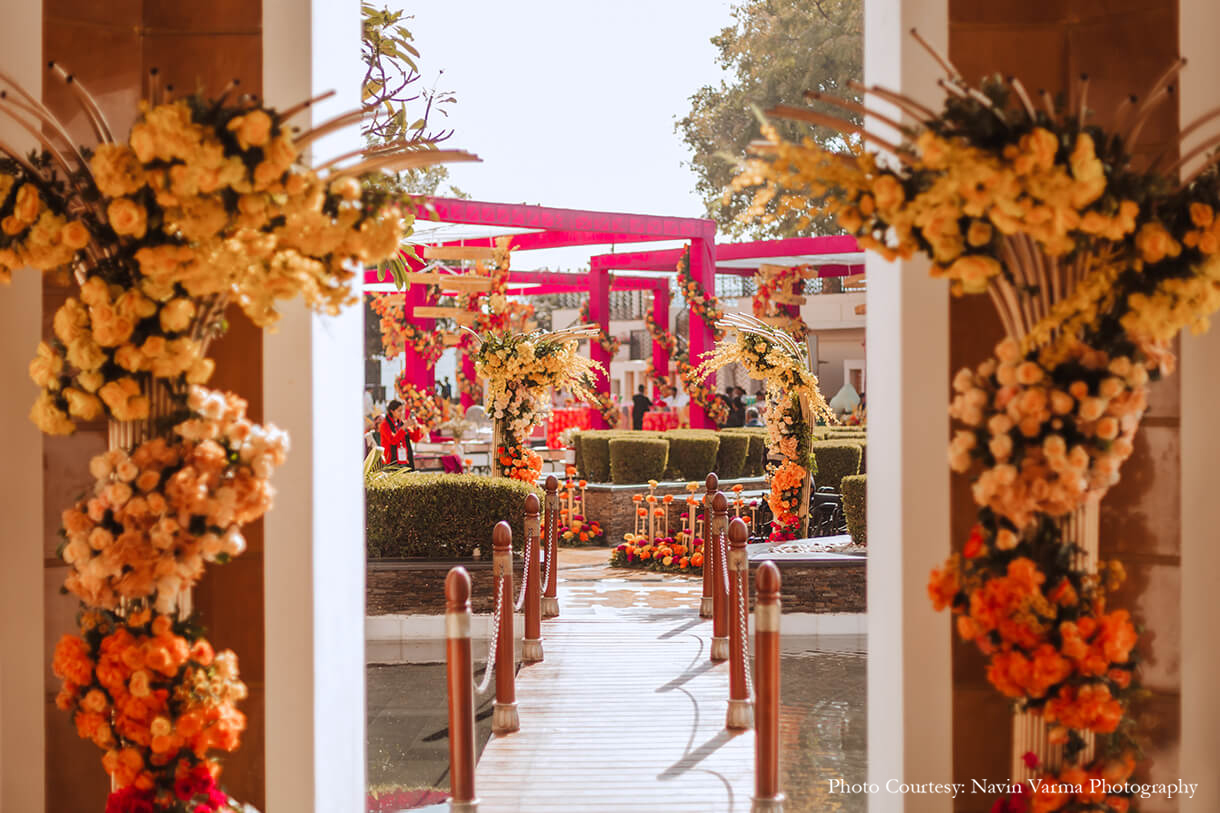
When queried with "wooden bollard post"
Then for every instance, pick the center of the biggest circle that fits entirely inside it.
(531, 645)
(504, 718)
(459, 671)
(740, 714)
(720, 596)
(767, 795)
(550, 593)
(709, 561)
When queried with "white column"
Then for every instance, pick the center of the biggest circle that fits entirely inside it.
(910, 720)
(23, 654)
(314, 558)
(1200, 449)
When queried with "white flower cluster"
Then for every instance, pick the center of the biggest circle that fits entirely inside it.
(1048, 438)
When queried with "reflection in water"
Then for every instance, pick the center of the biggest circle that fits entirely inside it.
(822, 729)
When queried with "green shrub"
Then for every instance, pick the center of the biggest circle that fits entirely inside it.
(595, 454)
(637, 459)
(692, 452)
(863, 444)
(440, 516)
(835, 460)
(731, 455)
(580, 463)
(854, 489)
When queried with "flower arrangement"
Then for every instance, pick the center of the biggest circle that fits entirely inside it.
(160, 512)
(668, 554)
(158, 700)
(610, 344)
(578, 530)
(428, 409)
(1094, 265)
(397, 333)
(794, 403)
(520, 369)
(583, 532)
(206, 204)
(778, 297)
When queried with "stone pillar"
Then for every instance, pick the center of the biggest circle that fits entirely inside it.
(314, 578)
(702, 339)
(909, 675)
(1199, 740)
(24, 655)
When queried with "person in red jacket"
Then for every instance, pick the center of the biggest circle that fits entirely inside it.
(396, 436)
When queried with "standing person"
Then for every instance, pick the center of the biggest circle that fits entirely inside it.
(753, 418)
(640, 403)
(446, 389)
(737, 409)
(396, 436)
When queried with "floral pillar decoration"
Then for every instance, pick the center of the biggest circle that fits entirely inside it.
(1094, 267)
(794, 404)
(205, 204)
(707, 411)
(779, 296)
(520, 369)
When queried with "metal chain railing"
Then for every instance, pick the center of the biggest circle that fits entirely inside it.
(494, 640)
(742, 604)
(545, 556)
(525, 573)
(722, 563)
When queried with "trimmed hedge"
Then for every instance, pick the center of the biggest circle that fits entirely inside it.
(692, 452)
(731, 455)
(756, 453)
(440, 516)
(637, 460)
(855, 488)
(595, 454)
(863, 444)
(579, 462)
(835, 460)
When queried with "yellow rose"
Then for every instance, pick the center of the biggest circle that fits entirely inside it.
(49, 418)
(28, 204)
(1201, 214)
(974, 271)
(888, 192)
(252, 129)
(84, 354)
(82, 405)
(177, 314)
(133, 305)
(129, 358)
(143, 142)
(127, 217)
(200, 371)
(46, 367)
(90, 381)
(1155, 243)
(12, 226)
(75, 236)
(979, 234)
(117, 170)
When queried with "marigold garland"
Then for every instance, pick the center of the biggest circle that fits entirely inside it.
(426, 408)
(610, 344)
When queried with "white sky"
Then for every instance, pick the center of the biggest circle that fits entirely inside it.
(571, 103)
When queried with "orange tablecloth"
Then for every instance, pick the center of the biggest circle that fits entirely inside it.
(658, 420)
(562, 419)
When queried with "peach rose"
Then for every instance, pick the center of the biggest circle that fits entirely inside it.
(127, 217)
